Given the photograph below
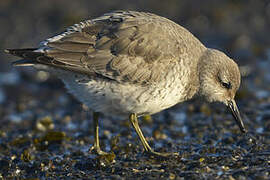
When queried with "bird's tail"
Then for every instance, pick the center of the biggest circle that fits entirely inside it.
(31, 56)
(28, 56)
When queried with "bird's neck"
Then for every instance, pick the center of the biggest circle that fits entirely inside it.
(195, 73)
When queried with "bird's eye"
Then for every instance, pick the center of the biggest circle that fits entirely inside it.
(227, 85)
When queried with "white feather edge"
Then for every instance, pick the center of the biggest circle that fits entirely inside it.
(75, 28)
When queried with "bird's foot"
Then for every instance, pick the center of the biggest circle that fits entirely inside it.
(107, 157)
(96, 150)
(162, 155)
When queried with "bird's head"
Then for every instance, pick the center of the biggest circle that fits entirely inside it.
(219, 80)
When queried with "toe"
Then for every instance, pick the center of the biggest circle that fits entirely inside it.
(162, 155)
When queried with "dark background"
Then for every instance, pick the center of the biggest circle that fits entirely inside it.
(44, 132)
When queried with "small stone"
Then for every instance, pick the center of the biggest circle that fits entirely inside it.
(147, 119)
(26, 156)
(172, 176)
(205, 109)
(45, 124)
(15, 118)
(201, 159)
(157, 134)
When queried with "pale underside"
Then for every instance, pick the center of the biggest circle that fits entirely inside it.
(125, 62)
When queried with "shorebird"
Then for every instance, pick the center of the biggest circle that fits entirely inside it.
(132, 64)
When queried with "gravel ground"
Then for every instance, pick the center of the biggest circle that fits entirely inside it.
(46, 134)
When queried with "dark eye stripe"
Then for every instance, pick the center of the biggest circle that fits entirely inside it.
(227, 85)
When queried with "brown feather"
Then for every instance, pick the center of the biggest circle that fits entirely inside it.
(124, 46)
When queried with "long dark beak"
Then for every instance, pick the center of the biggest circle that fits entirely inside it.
(235, 112)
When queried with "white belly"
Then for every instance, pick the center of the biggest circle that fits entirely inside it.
(121, 99)
(114, 99)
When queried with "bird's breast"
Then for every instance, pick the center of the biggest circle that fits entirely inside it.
(116, 99)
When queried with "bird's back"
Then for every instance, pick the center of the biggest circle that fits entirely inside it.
(129, 48)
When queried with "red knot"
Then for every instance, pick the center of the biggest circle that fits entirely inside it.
(128, 63)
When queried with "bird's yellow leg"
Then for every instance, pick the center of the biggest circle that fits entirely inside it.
(134, 121)
(96, 147)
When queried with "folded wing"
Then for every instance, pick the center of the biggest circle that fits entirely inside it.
(124, 46)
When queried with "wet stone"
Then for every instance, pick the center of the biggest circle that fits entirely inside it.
(45, 133)
(50, 139)
(45, 124)
(88, 164)
(20, 142)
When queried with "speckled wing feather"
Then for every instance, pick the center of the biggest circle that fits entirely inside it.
(124, 46)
